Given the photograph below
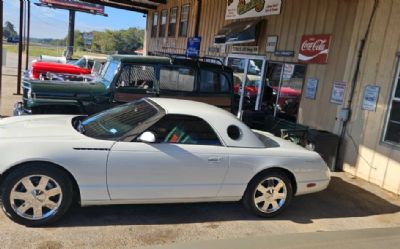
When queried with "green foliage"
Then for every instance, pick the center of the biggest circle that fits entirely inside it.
(9, 30)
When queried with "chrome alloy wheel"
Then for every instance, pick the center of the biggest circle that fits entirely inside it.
(36, 197)
(270, 195)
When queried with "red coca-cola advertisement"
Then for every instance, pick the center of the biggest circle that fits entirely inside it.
(314, 49)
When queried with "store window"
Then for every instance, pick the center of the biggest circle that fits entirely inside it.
(163, 24)
(172, 22)
(184, 21)
(392, 131)
(283, 89)
(213, 82)
(154, 25)
(137, 77)
(177, 79)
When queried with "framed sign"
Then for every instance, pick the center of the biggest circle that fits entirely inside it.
(193, 47)
(272, 42)
(245, 49)
(237, 9)
(311, 89)
(314, 49)
(338, 92)
(370, 99)
(284, 53)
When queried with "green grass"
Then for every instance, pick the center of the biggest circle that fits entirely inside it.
(36, 50)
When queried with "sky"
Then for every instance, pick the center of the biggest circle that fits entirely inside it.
(51, 23)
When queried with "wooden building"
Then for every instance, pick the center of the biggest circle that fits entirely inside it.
(358, 37)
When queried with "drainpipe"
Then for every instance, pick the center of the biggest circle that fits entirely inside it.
(355, 81)
(199, 5)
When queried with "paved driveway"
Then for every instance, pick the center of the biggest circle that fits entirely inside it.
(347, 204)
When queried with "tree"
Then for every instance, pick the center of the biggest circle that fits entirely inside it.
(9, 30)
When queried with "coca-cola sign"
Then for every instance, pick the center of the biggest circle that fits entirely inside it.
(314, 49)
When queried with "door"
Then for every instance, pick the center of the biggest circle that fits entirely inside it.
(134, 82)
(283, 89)
(187, 161)
(248, 71)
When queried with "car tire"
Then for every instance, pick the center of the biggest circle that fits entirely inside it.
(268, 194)
(46, 198)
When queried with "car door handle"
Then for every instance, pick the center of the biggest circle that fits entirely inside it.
(215, 159)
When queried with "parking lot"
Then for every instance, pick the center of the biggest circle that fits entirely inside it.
(346, 205)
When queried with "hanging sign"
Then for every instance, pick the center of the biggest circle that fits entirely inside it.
(314, 49)
(370, 100)
(193, 47)
(237, 9)
(77, 5)
(338, 92)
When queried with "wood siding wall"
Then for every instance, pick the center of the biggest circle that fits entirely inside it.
(365, 155)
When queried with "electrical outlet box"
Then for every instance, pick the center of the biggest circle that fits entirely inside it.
(344, 114)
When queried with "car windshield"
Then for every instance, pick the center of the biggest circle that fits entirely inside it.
(82, 63)
(109, 70)
(119, 121)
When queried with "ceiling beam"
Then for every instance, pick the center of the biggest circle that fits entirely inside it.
(117, 6)
(159, 1)
(135, 4)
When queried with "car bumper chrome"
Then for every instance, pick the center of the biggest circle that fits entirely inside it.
(19, 109)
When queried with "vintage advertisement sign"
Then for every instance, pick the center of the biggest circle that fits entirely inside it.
(314, 49)
(311, 89)
(272, 42)
(338, 92)
(75, 5)
(237, 9)
(245, 49)
(193, 47)
(370, 100)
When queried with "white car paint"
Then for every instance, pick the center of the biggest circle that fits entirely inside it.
(136, 172)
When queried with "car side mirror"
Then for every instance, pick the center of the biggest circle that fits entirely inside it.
(147, 137)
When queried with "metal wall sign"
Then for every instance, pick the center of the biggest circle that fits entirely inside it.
(237, 9)
(193, 46)
(272, 42)
(284, 53)
(245, 49)
(370, 99)
(314, 49)
(311, 89)
(87, 38)
(338, 92)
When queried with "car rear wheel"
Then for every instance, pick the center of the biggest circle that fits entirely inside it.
(36, 195)
(268, 194)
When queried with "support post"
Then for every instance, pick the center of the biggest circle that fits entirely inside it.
(71, 33)
(28, 33)
(1, 48)
(20, 41)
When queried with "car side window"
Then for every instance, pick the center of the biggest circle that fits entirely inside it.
(177, 79)
(182, 129)
(137, 77)
(213, 82)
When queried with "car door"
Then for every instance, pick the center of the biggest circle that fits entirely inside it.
(187, 160)
(134, 82)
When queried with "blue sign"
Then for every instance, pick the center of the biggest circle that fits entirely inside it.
(193, 47)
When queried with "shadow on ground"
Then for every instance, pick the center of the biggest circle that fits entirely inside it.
(340, 200)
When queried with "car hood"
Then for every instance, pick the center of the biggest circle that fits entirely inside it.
(38, 126)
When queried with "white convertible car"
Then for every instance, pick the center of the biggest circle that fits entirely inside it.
(150, 151)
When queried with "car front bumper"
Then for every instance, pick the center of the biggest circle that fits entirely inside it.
(19, 109)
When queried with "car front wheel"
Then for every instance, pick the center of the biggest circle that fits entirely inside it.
(36, 195)
(268, 194)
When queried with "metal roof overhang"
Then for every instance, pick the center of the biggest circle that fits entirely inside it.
(141, 6)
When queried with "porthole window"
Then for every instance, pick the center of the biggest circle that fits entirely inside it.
(234, 132)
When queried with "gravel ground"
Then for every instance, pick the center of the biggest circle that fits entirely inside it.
(347, 204)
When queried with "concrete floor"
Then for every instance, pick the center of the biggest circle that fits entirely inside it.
(348, 204)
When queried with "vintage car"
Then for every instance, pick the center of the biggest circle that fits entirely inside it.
(154, 150)
(83, 66)
(125, 78)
